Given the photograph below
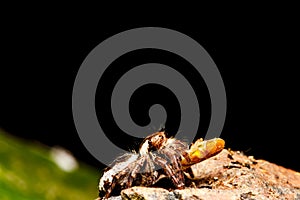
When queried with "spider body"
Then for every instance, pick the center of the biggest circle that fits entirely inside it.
(158, 157)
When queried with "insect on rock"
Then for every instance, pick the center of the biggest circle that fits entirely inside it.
(158, 157)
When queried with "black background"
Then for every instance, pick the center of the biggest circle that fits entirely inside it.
(257, 58)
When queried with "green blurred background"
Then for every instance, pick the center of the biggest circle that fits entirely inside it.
(28, 171)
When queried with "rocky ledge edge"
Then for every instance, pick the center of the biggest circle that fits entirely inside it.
(228, 175)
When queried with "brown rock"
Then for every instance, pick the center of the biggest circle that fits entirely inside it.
(228, 175)
(144, 193)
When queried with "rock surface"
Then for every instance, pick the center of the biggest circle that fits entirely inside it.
(228, 175)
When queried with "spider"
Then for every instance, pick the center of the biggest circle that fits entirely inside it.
(158, 157)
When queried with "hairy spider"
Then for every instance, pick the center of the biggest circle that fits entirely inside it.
(158, 157)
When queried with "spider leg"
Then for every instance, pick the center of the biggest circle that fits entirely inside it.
(175, 159)
(178, 148)
(136, 168)
(177, 180)
(186, 157)
(128, 172)
(120, 175)
(149, 176)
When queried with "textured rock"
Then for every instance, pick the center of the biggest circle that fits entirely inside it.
(139, 193)
(228, 175)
